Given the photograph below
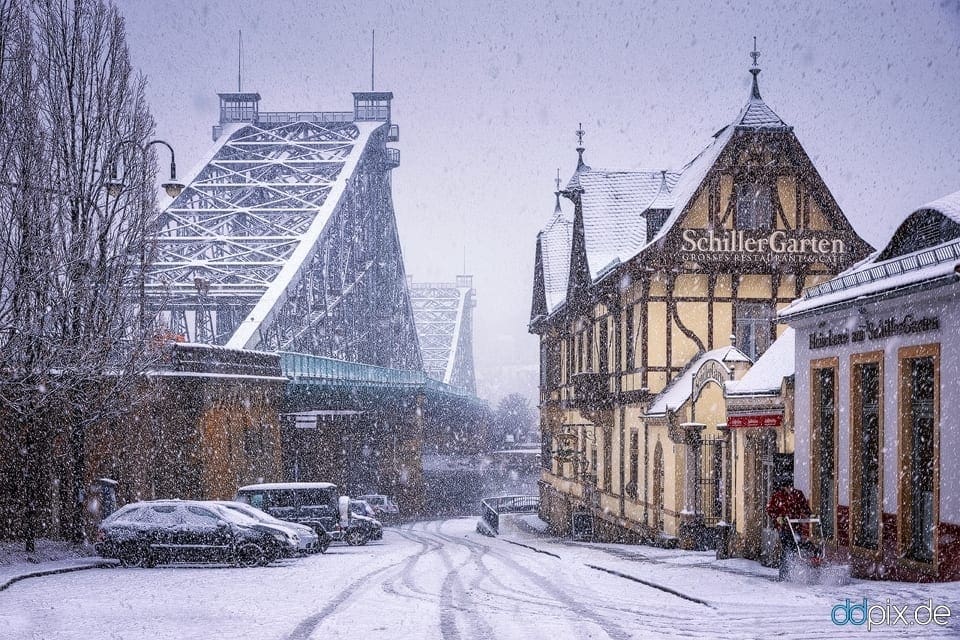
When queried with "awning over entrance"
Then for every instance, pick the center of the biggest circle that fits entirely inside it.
(762, 420)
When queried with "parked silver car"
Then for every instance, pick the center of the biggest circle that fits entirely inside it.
(309, 540)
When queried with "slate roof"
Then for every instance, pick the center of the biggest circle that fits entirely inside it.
(614, 202)
(948, 206)
(757, 114)
(555, 240)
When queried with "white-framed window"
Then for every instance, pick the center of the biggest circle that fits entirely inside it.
(754, 330)
(754, 206)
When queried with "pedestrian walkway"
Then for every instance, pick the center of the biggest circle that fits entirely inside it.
(49, 557)
(13, 573)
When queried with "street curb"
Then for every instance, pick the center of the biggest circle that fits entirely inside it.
(103, 564)
(652, 585)
(527, 546)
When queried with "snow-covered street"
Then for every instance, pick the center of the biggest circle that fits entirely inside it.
(441, 579)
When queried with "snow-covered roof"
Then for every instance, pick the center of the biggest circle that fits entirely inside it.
(680, 390)
(948, 205)
(757, 114)
(287, 486)
(767, 374)
(876, 278)
(873, 276)
(555, 240)
(613, 203)
(690, 178)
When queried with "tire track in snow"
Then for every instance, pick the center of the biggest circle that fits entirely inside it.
(305, 629)
(307, 626)
(668, 622)
(406, 575)
(559, 594)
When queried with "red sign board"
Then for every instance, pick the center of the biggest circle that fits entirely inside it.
(769, 420)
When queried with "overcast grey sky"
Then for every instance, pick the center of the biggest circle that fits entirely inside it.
(488, 96)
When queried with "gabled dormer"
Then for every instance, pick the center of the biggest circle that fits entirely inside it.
(928, 226)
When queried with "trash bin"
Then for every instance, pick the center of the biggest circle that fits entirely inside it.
(723, 532)
(581, 526)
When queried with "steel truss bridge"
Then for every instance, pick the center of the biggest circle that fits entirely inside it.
(285, 239)
(444, 317)
(285, 242)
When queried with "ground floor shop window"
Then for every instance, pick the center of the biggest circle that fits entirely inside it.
(824, 437)
(866, 402)
(607, 459)
(919, 454)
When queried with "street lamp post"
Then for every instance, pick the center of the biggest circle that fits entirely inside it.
(172, 186)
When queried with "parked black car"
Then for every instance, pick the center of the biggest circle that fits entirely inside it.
(149, 533)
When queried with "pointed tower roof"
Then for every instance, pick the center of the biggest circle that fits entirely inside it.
(574, 183)
(756, 114)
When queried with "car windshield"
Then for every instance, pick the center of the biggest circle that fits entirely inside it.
(375, 500)
(236, 517)
(161, 515)
(286, 498)
(251, 512)
(129, 513)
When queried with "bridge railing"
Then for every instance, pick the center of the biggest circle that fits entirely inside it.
(282, 117)
(305, 367)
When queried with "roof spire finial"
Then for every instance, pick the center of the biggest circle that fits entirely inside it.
(556, 208)
(580, 147)
(755, 70)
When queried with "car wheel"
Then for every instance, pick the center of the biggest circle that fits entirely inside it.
(271, 554)
(250, 555)
(356, 537)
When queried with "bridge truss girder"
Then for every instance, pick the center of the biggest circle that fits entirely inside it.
(287, 240)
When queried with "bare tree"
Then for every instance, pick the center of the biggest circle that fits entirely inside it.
(27, 350)
(76, 242)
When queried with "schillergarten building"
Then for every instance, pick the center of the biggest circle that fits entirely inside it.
(654, 289)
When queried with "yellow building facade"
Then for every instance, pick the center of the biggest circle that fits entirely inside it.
(654, 289)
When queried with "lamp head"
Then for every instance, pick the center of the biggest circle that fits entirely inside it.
(173, 189)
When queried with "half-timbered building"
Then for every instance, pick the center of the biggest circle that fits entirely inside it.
(652, 289)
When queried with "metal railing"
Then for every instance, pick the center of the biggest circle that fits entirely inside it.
(282, 117)
(491, 508)
(888, 269)
(302, 367)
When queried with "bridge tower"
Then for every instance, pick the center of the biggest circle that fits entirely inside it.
(285, 238)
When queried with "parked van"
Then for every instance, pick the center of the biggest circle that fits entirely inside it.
(314, 504)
